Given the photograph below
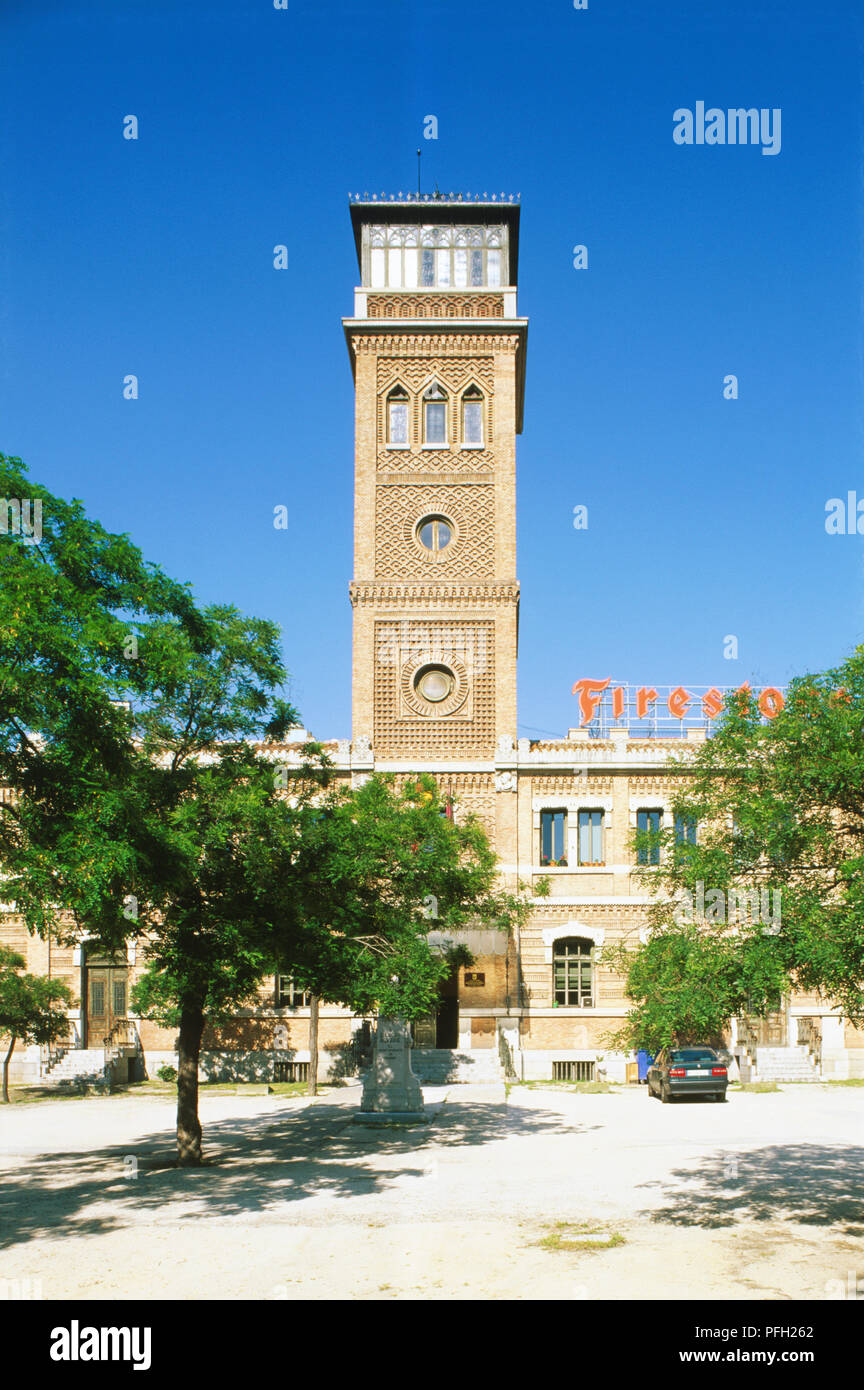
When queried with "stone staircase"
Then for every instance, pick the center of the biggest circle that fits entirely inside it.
(78, 1065)
(785, 1064)
(439, 1066)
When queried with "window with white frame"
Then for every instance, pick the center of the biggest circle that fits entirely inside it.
(649, 821)
(553, 839)
(435, 416)
(472, 417)
(591, 837)
(397, 418)
(289, 995)
(430, 257)
(685, 829)
(573, 972)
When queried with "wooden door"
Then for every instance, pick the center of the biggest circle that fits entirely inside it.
(106, 1000)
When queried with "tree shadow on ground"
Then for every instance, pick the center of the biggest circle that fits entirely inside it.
(255, 1165)
(812, 1184)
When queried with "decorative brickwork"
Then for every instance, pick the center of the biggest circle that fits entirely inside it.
(571, 786)
(468, 731)
(398, 553)
(433, 596)
(433, 344)
(454, 374)
(434, 306)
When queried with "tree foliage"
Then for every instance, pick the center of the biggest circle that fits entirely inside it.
(770, 898)
(378, 868)
(32, 1008)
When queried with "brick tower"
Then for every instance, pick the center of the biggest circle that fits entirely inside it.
(438, 354)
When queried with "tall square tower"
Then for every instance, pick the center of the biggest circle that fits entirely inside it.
(438, 354)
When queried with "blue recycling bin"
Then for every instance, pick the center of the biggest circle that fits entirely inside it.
(643, 1062)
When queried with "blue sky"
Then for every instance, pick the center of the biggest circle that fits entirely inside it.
(154, 257)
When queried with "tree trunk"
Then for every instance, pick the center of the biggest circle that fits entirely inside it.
(313, 1045)
(6, 1062)
(188, 1053)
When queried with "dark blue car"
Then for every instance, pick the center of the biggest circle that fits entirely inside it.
(688, 1071)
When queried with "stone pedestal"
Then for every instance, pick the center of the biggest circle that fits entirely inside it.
(391, 1091)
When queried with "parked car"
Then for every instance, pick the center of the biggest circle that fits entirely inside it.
(687, 1071)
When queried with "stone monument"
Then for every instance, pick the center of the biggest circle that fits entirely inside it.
(391, 1091)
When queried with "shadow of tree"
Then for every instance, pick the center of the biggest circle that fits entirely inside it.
(255, 1164)
(813, 1184)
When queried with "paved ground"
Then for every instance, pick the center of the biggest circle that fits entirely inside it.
(760, 1198)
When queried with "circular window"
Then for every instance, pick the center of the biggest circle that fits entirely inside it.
(434, 683)
(434, 687)
(435, 533)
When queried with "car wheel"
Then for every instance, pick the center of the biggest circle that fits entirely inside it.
(664, 1095)
(721, 1099)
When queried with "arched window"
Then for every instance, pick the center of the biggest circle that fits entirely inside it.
(472, 416)
(397, 418)
(573, 969)
(435, 416)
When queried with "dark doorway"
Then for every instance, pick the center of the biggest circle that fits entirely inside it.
(447, 1016)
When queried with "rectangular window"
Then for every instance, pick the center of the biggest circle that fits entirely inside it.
(427, 268)
(394, 267)
(685, 830)
(397, 432)
(472, 424)
(442, 266)
(476, 267)
(291, 1071)
(378, 268)
(553, 839)
(649, 820)
(436, 422)
(572, 975)
(460, 268)
(97, 997)
(119, 998)
(493, 267)
(289, 996)
(572, 1071)
(590, 837)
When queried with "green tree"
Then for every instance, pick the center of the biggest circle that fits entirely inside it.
(686, 983)
(212, 818)
(376, 869)
(32, 1008)
(134, 731)
(770, 897)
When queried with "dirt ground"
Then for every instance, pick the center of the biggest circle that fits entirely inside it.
(542, 1194)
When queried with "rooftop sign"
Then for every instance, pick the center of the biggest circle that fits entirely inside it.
(665, 708)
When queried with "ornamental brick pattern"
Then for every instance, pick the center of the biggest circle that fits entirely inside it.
(434, 306)
(400, 731)
(399, 510)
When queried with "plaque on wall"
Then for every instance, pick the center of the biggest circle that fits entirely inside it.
(475, 977)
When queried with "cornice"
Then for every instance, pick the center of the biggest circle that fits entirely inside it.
(480, 595)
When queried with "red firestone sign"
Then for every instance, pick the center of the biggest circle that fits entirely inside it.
(679, 702)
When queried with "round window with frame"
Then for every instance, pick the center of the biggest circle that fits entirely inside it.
(435, 533)
(434, 683)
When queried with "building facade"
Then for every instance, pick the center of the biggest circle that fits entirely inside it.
(437, 348)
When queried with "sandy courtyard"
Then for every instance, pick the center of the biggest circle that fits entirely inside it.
(758, 1199)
